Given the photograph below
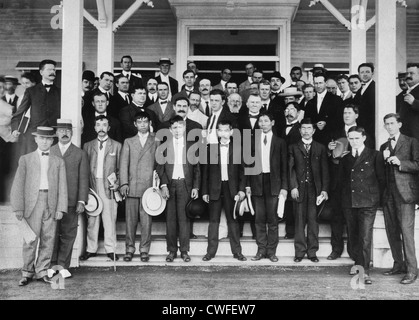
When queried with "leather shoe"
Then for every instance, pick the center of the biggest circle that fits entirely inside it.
(239, 257)
(409, 278)
(207, 257)
(367, 279)
(333, 256)
(87, 255)
(257, 257)
(144, 257)
(128, 256)
(193, 236)
(289, 236)
(24, 281)
(393, 272)
(185, 256)
(111, 256)
(45, 279)
(273, 258)
(298, 259)
(314, 259)
(171, 256)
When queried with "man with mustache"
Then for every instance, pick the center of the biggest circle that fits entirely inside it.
(409, 106)
(104, 157)
(205, 89)
(77, 173)
(195, 112)
(44, 101)
(151, 92)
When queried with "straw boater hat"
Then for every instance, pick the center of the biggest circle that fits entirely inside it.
(94, 205)
(64, 123)
(45, 132)
(164, 60)
(153, 201)
(291, 91)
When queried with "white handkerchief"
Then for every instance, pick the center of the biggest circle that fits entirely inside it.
(281, 205)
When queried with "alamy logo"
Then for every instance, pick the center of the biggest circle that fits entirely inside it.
(357, 282)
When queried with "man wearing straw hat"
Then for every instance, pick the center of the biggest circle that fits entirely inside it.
(77, 171)
(39, 195)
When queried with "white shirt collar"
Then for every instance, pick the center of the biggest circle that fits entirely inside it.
(12, 96)
(249, 79)
(40, 152)
(145, 136)
(307, 141)
(100, 114)
(360, 149)
(269, 134)
(412, 87)
(397, 136)
(44, 82)
(348, 127)
(123, 94)
(105, 138)
(323, 94)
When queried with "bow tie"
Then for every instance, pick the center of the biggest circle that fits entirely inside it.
(290, 125)
(253, 117)
(394, 139)
(45, 154)
(48, 85)
(163, 102)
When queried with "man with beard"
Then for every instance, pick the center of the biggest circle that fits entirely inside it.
(196, 113)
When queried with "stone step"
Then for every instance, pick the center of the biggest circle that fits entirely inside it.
(198, 246)
(160, 260)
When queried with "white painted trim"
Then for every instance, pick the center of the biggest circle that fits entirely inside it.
(233, 58)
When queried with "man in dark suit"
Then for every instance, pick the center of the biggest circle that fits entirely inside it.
(10, 85)
(218, 113)
(134, 79)
(225, 75)
(401, 155)
(408, 105)
(367, 98)
(173, 84)
(106, 82)
(309, 183)
(180, 181)
(189, 79)
(100, 105)
(77, 173)
(355, 87)
(266, 187)
(44, 99)
(127, 114)
(222, 180)
(361, 177)
(324, 110)
(136, 176)
(163, 107)
(152, 95)
(192, 66)
(309, 94)
(121, 98)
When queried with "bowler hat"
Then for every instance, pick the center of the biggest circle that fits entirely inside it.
(64, 123)
(196, 208)
(401, 75)
(291, 91)
(45, 132)
(164, 60)
(153, 201)
(277, 74)
(325, 211)
(12, 79)
(88, 75)
(341, 148)
(94, 205)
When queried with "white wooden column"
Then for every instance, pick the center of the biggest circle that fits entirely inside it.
(105, 51)
(386, 42)
(358, 37)
(401, 39)
(72, 61)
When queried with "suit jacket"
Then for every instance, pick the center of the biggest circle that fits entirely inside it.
(89, 132)
(406, 176)
(138, 164)
(77, 173)
(45, 107)
(218, 86)
(244, 85)
(135, 80)
(319, 167)
(116, 105)
(224, 115)
(169, 112)
(25, 188)
(14, 102)
(126, 116)
(148, 102)
(293, 135)
(278, 165)
(183, 93)
(174, 84)
(165, 166)
(88, 99)
(409, 114)
(367, 109)
(110, 163)
(330, 111)
(243, 123)
(190, 125)
(361, 180)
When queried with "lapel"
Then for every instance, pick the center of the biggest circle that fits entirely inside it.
(399, 143)
(147, 145)
(301, 147)
(313, 150)
(37, 164)
(271, 152)
(51, 173)
(68, 152)
(108, 147)
(362, 157)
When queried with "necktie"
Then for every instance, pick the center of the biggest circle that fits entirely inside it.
(127, 98)
(47, 85)
(307, 146)
(212, 122)
(207, 112)
(45, 154)
(163, 102)
(101, 143)
(265, 105)
(356, 154)
(253, 117)
(265, 141)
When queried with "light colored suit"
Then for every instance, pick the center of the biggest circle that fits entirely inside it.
(77, 172)
(39, 208)
(168, 114)
(137, 165)
(101, 186)
(244, 85)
